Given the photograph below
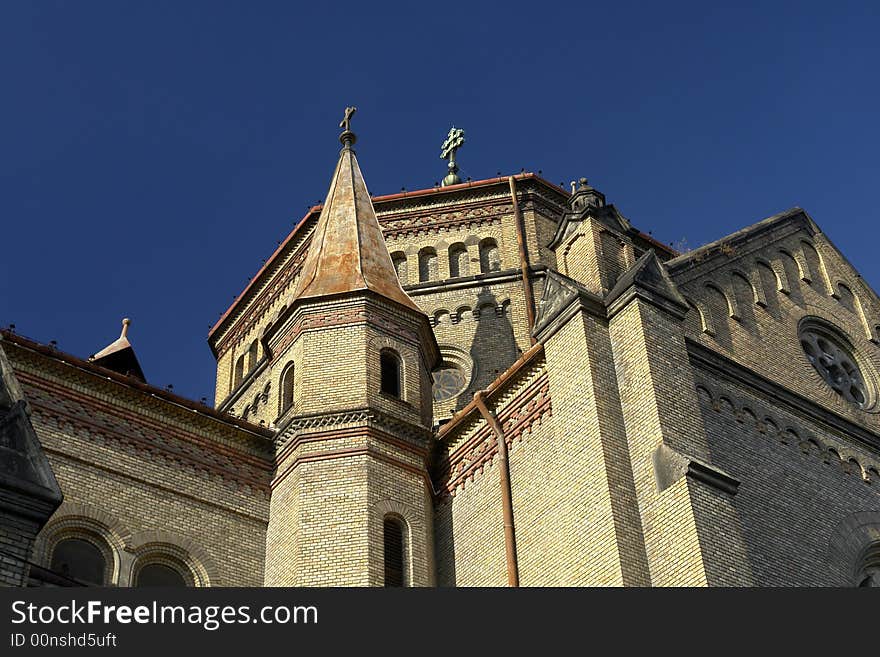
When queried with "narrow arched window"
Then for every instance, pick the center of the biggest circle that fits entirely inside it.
(458, 260)
(239, 370)
(253, 352)
(399, 260)
(489, 259)
(286, 389)
(427, 264)
(80, 560)
(395, 552)
(389, 363)
(157, 574)
(869, 573)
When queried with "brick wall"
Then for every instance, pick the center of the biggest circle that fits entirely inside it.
(144, 470)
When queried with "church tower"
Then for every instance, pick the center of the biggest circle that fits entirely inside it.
(351, 496)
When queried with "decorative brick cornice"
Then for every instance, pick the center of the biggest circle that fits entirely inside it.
(246, 323)
(726, 369)
(752, 416)
(362, 307)
(356, 417)
(49, 364)
(259, 494)
(54, 403)
(517, 418)
(479, 202)
(474, 214)
(353, 452)
(702, 261)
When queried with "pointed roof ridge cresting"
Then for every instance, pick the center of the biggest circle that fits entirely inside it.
(119, 355)
(348, 251)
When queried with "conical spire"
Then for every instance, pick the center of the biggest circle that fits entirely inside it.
(348, 252)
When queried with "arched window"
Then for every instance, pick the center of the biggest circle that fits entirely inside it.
(489, 259)
(427, 264)
(239, 370)
(253, 352)
(395, 552)
(389, 363)
(399, 260)
(157, 574)
(869, 573)
(81, 560)
(458, 260)
(286, 389)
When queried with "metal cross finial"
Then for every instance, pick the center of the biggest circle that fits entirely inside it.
(454, 141)
(345, 124)
(347, 137)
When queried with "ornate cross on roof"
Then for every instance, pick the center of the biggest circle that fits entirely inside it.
(454, 141)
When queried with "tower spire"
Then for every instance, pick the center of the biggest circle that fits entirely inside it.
(348, 251)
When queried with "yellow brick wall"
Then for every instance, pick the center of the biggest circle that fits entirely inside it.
(764, 336)
(658, 398)
(212, 516)
(337, 479)
(600, 532)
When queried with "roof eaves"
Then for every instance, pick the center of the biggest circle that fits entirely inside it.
(131, 382)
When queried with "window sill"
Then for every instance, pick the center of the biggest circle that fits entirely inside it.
(395, 399)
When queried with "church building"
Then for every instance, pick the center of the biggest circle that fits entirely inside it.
(484, 383)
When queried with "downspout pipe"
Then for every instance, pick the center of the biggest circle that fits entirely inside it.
(506, 495)
(523, 259)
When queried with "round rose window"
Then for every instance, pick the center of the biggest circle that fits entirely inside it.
(835, 363)
(449, 381)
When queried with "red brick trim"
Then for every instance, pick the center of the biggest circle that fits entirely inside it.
(336, 434)
(262, 301)
(232, 471)
(356, 315)
(172, 491)
(109, 375)
(517, 418)
(348, 453)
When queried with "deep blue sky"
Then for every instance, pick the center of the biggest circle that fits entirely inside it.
(154, 153)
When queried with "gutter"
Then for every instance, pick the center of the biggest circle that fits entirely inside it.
(506, 494)
(479, 404)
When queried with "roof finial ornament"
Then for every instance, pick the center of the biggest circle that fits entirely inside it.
(125, 324)
(347, 137)
(454, 141)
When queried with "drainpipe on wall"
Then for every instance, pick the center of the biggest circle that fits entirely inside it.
(523, 259)
(506, 495)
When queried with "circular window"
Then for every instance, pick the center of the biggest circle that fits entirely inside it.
(835, 363)
(449, 381)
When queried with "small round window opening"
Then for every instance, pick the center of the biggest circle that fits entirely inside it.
(449, 381)
(835, 363)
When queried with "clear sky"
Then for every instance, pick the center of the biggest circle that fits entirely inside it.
(153, 154)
